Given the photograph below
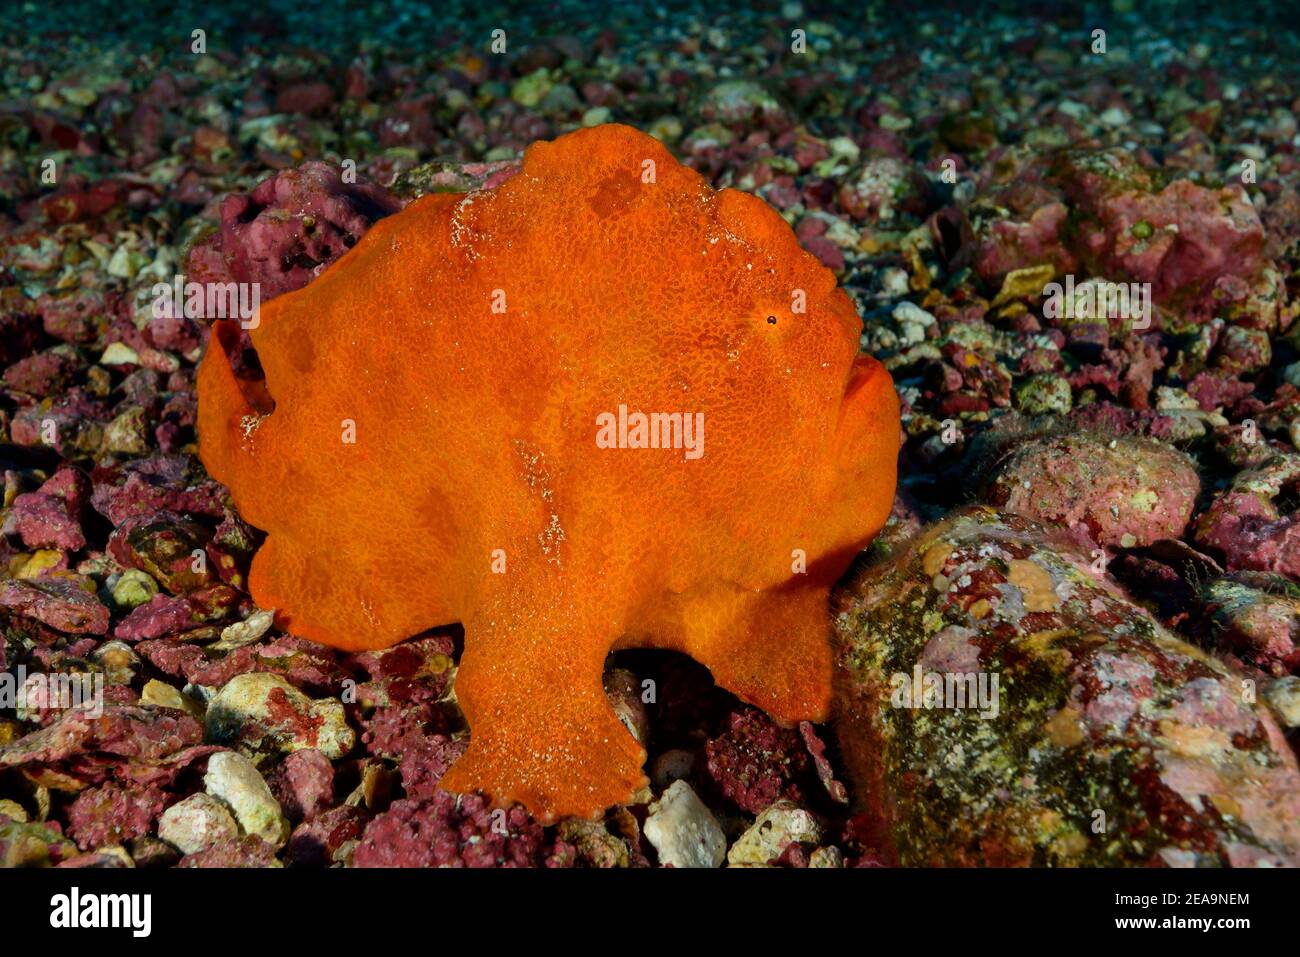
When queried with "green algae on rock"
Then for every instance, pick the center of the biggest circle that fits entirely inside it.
(1108, 742)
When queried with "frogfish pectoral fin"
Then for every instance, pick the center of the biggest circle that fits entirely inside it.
(542, 731)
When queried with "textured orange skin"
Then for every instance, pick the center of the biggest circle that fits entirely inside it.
(476, 431)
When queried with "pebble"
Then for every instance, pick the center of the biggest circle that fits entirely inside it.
(263, 712)
(196, 823)
(684, 831)
(912, 322)
(245, 632)
(232, 779)
(1283, 695)
(782, 824)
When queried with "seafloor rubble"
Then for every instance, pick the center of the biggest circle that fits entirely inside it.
(948, 168)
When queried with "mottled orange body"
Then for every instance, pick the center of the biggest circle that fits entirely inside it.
(476, 342)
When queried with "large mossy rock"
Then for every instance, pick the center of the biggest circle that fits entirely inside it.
(1112, 743)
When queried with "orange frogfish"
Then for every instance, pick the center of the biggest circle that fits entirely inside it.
(599, 406)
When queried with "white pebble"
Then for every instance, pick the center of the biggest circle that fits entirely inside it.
(684, 831)
(232, 779)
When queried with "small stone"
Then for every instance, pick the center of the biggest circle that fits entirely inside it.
(133, 588)
(597, 115)
(1043, 394)
(666, 129)
(1115, 116)
(1024, 283)
(912, 322)
(245, 632)
(596, 846)
(197, 823)
(119, 661)
(162, 695)
(1243, 351)
(128, 433)
(263, 712)
(735, 102)
(167, 545)
(35, 844)
(247, 851)
(684, 831)
(1291, 374)
(530, 90)
(34, 564)
(624, 693)
(232, 778)
(1283, 695)
(894, 282)
(119, 354)
(782, 824)
(150, 851)
(826, 857)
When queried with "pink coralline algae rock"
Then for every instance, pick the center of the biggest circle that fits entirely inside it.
(51, 516)
(41, 375)
(1247, 526)
(415, 671)
(317, 842)
(1124, 492)
(878, 190)
(62, 600)
(113, 815)
(424, 760)
(73, 317)
(78, 421)
(160, 615)
(1243, 351)
(76, 200)
(159, 483)
(755, 762)
(1202, 249)
(304, 664)
(1002, 705)
(247, 851)
(457, 831)
(303, 783)
(169, 614)
(145, 745)
(1257, 616)
(292, 225)
(1216, 392)
(309, 97)
(1030, 240)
